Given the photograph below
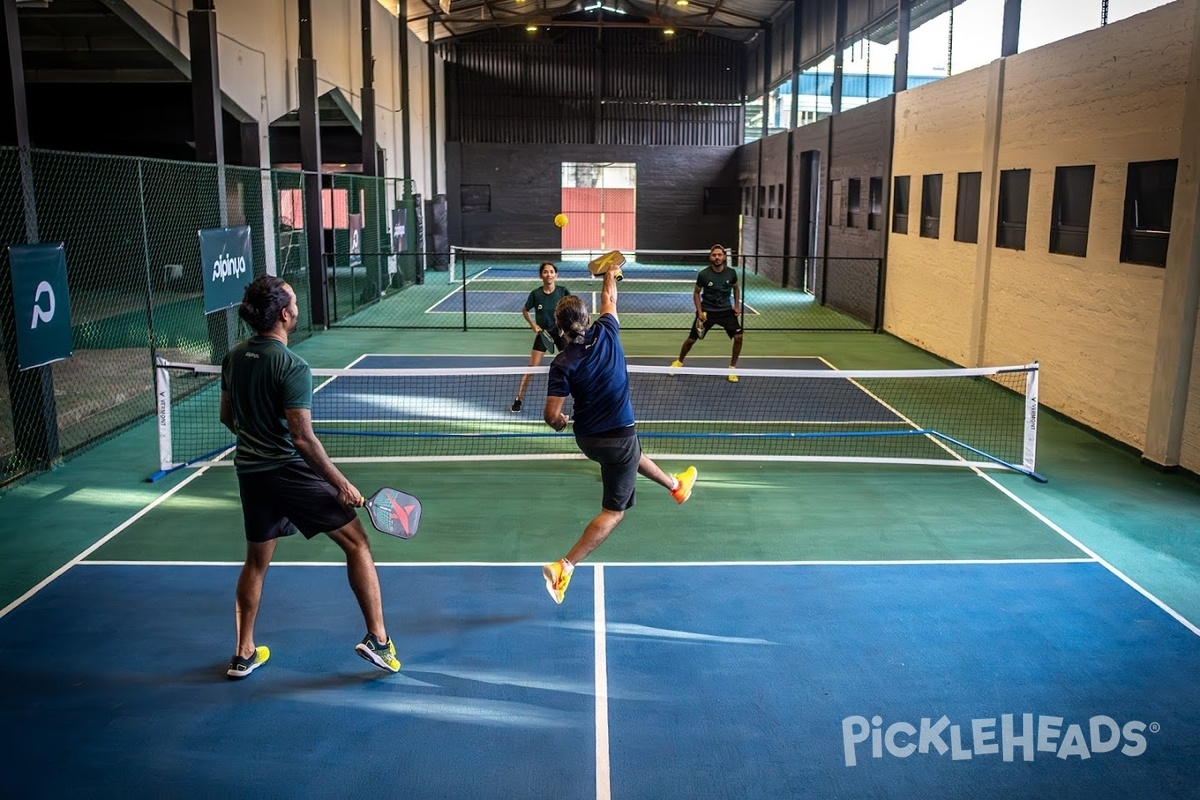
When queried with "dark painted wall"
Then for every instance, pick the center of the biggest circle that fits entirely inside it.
(766, 232)
(153, 120)
(809, 143)
(525, 184)
(594, 86)
(844, 270)
(862, 146)
(856, 244)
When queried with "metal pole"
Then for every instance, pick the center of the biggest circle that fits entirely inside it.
(310, 163)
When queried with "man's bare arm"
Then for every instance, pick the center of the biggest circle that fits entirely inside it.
(227, 412)
(310, 447)
(608, 295)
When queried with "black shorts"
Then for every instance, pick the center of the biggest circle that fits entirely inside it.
(726, 319)
(291, 497)
(618, 457)
(540, 345)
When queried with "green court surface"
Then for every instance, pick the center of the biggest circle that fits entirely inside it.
(1099, 500)
(739, 512)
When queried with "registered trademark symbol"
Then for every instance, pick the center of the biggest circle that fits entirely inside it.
(1155, 727)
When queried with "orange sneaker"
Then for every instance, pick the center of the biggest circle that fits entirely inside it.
(557, 577)
(687, 479)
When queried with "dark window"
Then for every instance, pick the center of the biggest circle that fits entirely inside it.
(762, 200)
(1072, 209)
(1149, 194)
(720, 200)
(900, 204)
(931, 206)
(966, 213)
(1014, 209)
(779, 195)
(476, 198)
(771, 203)
(875, 216)
(854, 203)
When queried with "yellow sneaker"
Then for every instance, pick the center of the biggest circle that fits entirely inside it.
(557, 577)
(687, 479)
(732, 376)
(382, 655)
(241, 667)
(676, 364)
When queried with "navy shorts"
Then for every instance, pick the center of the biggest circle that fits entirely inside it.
(726, 319)
(290, 497)
(618, 457)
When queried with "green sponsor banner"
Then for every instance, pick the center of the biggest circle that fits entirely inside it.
(227, 266)
(41, 303)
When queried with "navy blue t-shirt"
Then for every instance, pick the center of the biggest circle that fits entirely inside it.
(594, 374)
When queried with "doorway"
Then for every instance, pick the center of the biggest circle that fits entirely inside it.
(600, 201)
(809, 216)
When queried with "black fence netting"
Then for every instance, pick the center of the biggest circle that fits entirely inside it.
(130, 231)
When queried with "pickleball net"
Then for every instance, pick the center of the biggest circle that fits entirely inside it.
(983, 418)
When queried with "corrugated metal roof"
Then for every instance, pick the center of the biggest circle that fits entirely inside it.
(741, 20)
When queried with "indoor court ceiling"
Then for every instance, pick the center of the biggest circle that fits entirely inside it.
(740, 20)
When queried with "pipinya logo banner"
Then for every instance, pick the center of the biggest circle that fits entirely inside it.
(226, 262)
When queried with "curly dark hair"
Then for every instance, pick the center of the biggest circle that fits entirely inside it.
(571, 317)
(265, 297)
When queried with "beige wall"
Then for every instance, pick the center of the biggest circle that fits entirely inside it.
(258, 52)
(1106, 97)
(930, 282)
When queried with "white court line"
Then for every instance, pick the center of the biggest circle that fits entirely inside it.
(603, 771)
(946, 562)
(79, 558)
(1182, 620)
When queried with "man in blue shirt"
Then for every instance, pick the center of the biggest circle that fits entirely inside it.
(591, 369)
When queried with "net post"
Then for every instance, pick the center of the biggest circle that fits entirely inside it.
(162, 395)
(1029, 456)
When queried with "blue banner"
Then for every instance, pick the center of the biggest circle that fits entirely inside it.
(227, 265)
(41, 303)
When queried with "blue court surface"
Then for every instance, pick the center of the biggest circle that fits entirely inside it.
(818, 680)
(632, 302)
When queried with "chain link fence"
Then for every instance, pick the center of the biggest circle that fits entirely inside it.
(129, 227)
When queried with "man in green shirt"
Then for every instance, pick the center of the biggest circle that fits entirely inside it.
(715, 285)
(541, 301)
(286, 480)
